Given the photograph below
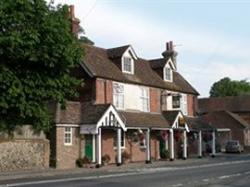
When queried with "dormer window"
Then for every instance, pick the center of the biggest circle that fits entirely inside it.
(168, 71)
(128, 65)
(168, 74)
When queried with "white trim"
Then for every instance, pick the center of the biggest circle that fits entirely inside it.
(131, 49)
(124, 144)
(223, 130)
(176, 123)
(145, 97)
(132, 65)
(67, 125)
(71, 136)
(168, 65)
(116, 115)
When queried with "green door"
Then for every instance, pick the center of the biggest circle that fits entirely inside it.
(88, 147)
(162, 147)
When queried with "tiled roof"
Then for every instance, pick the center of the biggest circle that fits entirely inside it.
(195, 123)
(143, 119)
(81, 113)
(232, 104)
(225, 119)
(171, 116)
(117, 51)
(98, 62)
(158, 63)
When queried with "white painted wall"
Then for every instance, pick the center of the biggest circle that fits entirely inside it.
(183, 101)
(132, 95)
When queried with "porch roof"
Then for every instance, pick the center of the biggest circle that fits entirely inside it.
(195, 123)
(144, 119)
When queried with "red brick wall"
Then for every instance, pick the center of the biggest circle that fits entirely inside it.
(155, 100)
(137, 153)
(103, 91)
(191, 104)
(66, 155)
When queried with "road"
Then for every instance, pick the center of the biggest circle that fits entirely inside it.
(231, 170)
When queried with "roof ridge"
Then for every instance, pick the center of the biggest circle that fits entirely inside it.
(238, 118)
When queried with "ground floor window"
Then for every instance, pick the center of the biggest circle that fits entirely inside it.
(68, 136)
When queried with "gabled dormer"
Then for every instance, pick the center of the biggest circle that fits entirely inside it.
(168, 71)
(128, 61)
(124, 57)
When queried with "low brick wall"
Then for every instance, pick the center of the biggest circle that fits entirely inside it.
(24, 154)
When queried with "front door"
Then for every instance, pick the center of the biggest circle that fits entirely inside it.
(88, 147)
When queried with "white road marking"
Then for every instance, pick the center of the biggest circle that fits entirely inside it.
(177, 185)
(135, 172)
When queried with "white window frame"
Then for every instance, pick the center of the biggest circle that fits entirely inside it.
(171, 74)
(173, 101)
(124, 140)
(117, 96)
(70, 132)
(132, 65)
(143, 98)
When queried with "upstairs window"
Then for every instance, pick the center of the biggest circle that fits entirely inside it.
(118, 95)
(176, 101)
(167, 74)
(144, 99)
(128, 65)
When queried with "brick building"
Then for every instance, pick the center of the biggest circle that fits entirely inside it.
(128, 105)
(230, 115)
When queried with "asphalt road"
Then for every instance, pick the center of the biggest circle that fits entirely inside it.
(231, 171)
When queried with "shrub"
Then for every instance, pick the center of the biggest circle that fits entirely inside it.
(81, 162)
(165, 154)
(105, 159)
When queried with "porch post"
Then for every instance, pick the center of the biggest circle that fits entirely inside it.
(213, 144)
(99, 148)
(171, 133)
(166, 143)
(200, 145)
(93, 148)
(184, 145)
(148, 150)
(118, 147)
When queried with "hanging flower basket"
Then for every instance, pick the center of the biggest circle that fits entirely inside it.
(164, 135)
(177, 136)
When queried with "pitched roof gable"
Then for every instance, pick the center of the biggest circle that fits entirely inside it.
(231, 103)
(224, 119)
(99, 63)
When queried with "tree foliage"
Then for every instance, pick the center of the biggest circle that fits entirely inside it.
(37, 52)
(228, 87)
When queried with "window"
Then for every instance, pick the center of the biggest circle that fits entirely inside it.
(144, 99)
(127, 65)
(167, 74)
(122, 140)
(118, 95)
(67, 136)
(176, 101)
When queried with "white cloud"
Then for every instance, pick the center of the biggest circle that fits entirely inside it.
(109, 27)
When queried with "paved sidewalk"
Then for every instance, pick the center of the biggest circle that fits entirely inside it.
(51, 172)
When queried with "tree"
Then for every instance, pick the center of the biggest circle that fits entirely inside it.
(228, 87)
(37, 53)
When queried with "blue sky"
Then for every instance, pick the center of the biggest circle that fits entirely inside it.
(212, 37)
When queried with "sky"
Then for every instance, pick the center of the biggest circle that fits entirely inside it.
(212, 37)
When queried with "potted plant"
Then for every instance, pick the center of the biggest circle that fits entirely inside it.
(83, 162)
(125, 157)
(105, 159)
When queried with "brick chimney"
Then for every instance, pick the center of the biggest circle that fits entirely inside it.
(170, 52)
(75, 27)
